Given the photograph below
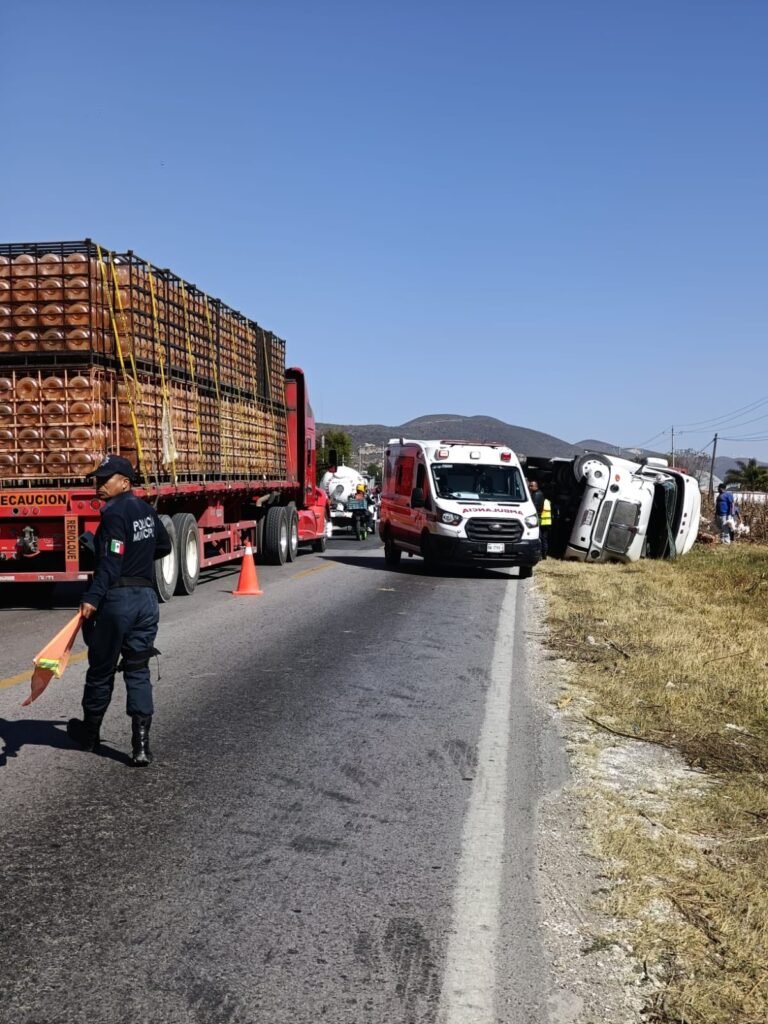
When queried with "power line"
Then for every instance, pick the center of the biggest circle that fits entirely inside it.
(733, 426)
(644, 443)
(714, 421)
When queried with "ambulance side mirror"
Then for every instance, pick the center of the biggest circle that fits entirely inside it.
(417, 498)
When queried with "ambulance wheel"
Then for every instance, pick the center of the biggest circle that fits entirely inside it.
(428, 550)
(525, 572)
(320, 544)
(391, 553)
(293, 533)
(188, 544)
(276, 536)
(167, 569)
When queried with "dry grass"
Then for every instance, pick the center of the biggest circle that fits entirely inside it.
(676, 653)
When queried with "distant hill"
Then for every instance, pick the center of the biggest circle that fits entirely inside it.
(724, 462)
(633, 454)
(448, 426)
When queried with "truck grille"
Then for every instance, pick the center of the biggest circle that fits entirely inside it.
(494, 529)
(602, 521)
(623, 527)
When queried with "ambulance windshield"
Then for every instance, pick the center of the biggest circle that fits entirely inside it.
(473, 482)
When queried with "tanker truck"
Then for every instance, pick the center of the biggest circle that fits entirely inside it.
(104, 353)
(340, 484)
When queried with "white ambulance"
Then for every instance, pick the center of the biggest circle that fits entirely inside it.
(457, 501)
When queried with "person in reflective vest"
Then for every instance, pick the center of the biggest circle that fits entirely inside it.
(543, 507)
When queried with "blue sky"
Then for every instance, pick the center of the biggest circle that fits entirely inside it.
(555, 213)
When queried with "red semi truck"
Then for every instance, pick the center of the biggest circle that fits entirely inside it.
(210, 522)
(102, 352)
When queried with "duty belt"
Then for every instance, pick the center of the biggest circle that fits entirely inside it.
(133, 581)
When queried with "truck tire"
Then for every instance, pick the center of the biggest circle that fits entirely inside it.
(292, 517)
(276, 536)
(392, 554)
(525, 572)
(167, 569)
(188, 547)
(320, 544)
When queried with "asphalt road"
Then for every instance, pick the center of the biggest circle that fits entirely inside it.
(339, 824)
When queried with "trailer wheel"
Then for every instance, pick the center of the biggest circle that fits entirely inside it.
(276, 536)
(392, 554)
(188, 546)
(292, 517)
(167, 569)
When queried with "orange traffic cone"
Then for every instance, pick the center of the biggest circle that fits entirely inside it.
(53, 658)
(248, 584)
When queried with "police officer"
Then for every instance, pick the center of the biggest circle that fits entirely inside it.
(120, 609)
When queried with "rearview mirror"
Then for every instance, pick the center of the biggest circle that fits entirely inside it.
(417, 498)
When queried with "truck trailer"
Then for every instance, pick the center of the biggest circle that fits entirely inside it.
(103, 353)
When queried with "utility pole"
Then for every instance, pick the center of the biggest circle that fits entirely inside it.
(673, 445)
(712, 469)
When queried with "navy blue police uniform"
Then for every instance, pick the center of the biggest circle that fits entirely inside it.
(129, 540)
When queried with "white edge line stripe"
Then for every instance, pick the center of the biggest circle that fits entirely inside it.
(469, 983)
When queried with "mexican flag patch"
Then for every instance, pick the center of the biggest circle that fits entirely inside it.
(116, 547)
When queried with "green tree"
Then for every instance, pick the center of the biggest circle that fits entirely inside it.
(374, 472)
(749, 475)
(338, 441)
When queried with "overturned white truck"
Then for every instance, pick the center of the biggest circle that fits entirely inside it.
(607, 509)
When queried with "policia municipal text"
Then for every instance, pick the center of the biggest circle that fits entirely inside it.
(120, 608)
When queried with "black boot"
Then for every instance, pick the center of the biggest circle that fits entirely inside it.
(85, 733)
(142, 755)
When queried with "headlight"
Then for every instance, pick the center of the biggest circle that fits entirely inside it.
(531, 520)
(450, 519)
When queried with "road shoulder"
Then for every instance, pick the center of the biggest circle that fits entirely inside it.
(594, 977)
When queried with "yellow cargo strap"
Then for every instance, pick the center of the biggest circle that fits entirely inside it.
(255, 433)
(191, 364)
(268, 372)
(160, 360)
(132, 360)
(214, 364)
(119, 347)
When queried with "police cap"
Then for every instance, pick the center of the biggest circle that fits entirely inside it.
(114, 464)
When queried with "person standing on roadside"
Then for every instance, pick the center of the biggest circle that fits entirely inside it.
(543, 508)
(724, 512)
(120, 608)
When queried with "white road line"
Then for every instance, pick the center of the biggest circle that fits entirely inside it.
(469, 983)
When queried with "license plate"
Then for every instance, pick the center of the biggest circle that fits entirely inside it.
(494, 549)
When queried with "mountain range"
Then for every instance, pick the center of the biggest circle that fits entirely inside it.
(522, 440)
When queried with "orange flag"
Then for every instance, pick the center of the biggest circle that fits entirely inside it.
(53, 658)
